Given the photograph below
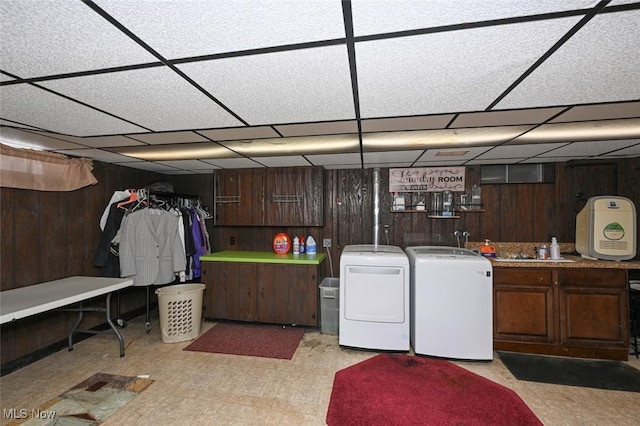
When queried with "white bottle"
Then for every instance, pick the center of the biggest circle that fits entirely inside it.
(296, 245)
(555, 249)
(311, 245)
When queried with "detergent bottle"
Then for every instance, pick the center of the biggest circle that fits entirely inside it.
(487, 250)
(311, 245)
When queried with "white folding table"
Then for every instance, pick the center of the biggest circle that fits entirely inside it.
(34, 299)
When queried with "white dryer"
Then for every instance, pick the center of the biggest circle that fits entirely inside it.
(451, 303)
(374, 297)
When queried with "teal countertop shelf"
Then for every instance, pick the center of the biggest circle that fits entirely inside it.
(264, 257)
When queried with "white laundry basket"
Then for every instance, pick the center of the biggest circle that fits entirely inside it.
(180, 308)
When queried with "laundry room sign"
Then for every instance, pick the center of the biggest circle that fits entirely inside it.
(427, 179)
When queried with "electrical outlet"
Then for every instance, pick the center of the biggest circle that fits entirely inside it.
(326, 242)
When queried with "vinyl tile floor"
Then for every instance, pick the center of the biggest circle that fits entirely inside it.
(193, 388)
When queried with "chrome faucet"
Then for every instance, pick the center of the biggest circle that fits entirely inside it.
(457, 235)
(466, 235)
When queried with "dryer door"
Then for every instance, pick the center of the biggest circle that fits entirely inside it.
(375, 294)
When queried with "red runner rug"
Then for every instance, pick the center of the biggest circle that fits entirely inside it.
(262, 340)
(410, 390)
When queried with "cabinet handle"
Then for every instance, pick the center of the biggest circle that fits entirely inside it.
(262, 292)
(286, 198)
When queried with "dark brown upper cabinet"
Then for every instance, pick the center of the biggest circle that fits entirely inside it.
(291, 196)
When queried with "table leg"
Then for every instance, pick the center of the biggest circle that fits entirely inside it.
(75, 327)
(113, 326)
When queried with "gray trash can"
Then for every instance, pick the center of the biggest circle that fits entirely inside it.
(329, 305)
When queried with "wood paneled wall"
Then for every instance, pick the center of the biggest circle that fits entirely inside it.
(46, 236)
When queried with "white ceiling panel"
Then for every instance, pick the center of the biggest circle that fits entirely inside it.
(590, 148)
(495, 161)
(156, 98)
(168, 137)
(465, 153)
(443, 72)
(375, 16)
(27, 139)
(595, 65)
(518, 151)
(310, 129)
(284, 161)
(406, 123)
(281, 87)
(108, 141)
(186, 164)
(541, 159)
(335, 159)
(392, 156)
(13, 124)
(4, 77)
(184, 172)
(68, 33)
(504, 118)
(232, 163)
(238, 133)
(98, 154)
(148, 165)
(26, 103)
(600, 112)
(433, 162)
(178, 29)
(632, 151)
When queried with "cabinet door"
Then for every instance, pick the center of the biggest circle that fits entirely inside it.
(231, 290)
(594, 307)
(239, 197)
(287, 294)
(294, 197)
(523, 305)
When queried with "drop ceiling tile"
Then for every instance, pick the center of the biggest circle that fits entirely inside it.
(150, 166)
(168, 137)
(99, 155)
(406, 123)
(558, 159)
(18, 125)
(176, 152)
(600, 112)
(352, 159)
(68, 34)
(109, 141)
(185, 164)
(304, 145)
(284, 161)
(437, 154)
(343, 166)
(632, 151)
(436, 163)
(375, 16)
(504, 118)
(447, 138)
(600, 63)
(201, 27)
(238, 133)
(481, 162)
(388, 164)
(583, 131)
(183, 172)
(311, 129)
(518, 151)
(585, 149)
(155, 98)
(392, 156)
(284, 87)
(39, 108)
(4, 77)
(29, 139)
(454, 71)
(233, 163)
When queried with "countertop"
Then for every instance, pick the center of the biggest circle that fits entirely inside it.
(264, 257)
(578, 262)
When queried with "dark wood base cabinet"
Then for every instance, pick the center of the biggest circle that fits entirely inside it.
(567, 312)
(261, 292)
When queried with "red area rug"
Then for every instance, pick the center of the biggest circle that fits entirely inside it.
(263, 340)
(409, 390)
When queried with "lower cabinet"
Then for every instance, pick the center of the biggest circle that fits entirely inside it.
(563, 311)
(261, 292)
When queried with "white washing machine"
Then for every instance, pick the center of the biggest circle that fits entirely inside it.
(451, 303)
(374, 297)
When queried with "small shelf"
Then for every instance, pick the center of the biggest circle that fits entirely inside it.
(431, 214)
